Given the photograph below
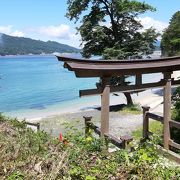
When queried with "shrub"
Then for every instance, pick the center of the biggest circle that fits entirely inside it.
(175, 133)
(26, 154)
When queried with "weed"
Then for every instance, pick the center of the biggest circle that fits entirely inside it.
(132, 109)
(26, 154)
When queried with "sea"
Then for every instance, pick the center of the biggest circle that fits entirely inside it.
(37, 86)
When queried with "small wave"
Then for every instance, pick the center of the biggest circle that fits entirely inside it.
(38, 107)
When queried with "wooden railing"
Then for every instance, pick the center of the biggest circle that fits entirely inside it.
(121, 142)
(148, 115)
(37, 125)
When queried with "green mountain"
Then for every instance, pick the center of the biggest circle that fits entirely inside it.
(10, 45)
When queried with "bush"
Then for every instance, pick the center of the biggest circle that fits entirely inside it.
(26, 154)
(132, 109)
(175, 133)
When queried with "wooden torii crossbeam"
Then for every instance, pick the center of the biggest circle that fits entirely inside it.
(84, 68)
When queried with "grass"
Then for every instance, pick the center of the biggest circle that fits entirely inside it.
(134, 109)
(26, 154)
(154, 126)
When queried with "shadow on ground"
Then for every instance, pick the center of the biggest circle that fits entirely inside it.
(114, 108)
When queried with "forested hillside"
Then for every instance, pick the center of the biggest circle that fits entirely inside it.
(10, 45)
(170, 42)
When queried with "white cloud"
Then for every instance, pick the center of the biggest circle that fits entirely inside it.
(61, 31)
(9, 30)
(17, 33)
(5, 29)
(148, 22)
(65, 34)
(107, 24)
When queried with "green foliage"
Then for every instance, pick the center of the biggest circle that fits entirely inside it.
(142, 163)
(19, 46)
(175, 133)
(132, 109)
(110, 28)
(154, 127)
(26, 154)
(16, 176)
(176, 111)
(170, 42)
(2, 118)
(22, 149)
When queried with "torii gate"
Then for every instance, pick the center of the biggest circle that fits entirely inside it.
(84, 68)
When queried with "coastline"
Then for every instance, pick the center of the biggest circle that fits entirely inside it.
(27, 55)
(55, 118)
(149, 97)
(152, 98)
(120, 123)
(37, 55)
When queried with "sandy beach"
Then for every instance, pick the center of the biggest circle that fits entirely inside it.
(120, 123)
(152, 98)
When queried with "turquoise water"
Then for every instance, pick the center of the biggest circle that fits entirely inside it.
(38, 83)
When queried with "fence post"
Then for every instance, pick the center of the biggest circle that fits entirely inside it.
(145, 122)
(38, 126)
(126, 139)
(87, 120)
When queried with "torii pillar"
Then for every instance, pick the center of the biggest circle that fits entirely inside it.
(167, 109)
(105, 98)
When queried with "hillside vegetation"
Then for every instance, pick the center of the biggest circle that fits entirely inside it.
(26, 154)
(170, 42)
(10, 45)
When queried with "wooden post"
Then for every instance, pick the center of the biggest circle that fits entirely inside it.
(105, 106)
(87, 120)
(138, 79)
(145, 122)
(38, 126)
(167, 109)
(126, 139)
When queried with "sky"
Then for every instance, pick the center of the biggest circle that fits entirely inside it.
(45, 19)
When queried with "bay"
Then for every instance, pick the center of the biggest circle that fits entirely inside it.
(35, 84)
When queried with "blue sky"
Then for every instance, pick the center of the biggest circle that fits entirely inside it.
(45, 19)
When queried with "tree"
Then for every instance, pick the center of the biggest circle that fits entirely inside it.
(175, 133)
(110, 28)
(170, 42)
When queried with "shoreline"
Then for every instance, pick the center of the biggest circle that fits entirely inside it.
(37, 55)
(151, 97)
(26, 55)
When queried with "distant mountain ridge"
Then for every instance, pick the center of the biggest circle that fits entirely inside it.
(10, 45)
